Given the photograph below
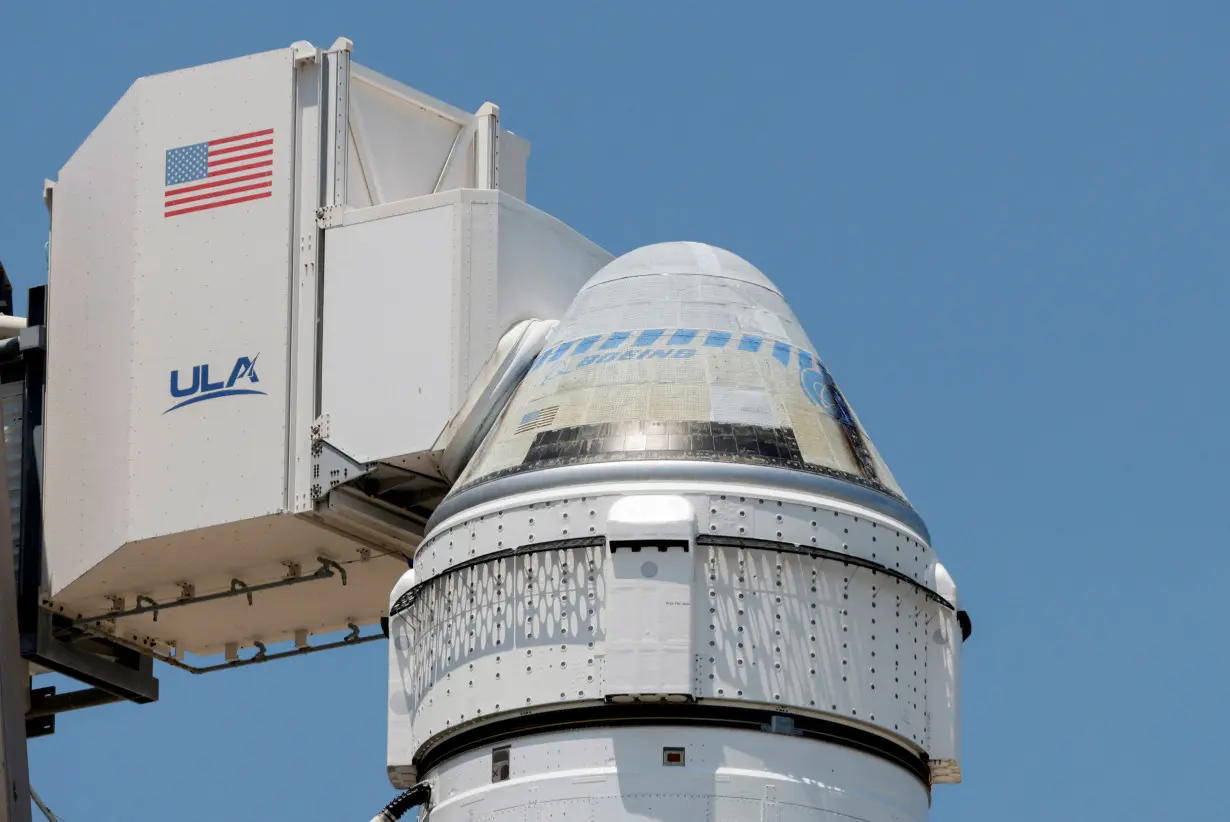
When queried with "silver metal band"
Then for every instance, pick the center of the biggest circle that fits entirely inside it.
(681, 470)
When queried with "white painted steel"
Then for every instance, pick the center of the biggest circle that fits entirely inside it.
(303, 383)
(92, 226)
(648, 643)
(390, 332)
(619, 775)
(489, 394)
(209, 559)
(944, 690)
(420, 294)
(730, 489)
(407, 144)
(145, 501)
(139, 296)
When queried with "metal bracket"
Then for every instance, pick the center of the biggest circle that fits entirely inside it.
(320, 428)
(232, 651)
(124, 671)
(779, 724)
(237, 586)
(45, 702)
(328, 569)
(144, 601)
(331, 468)
(341, 44)
(330, 216)
(32, 337)
(304, 52)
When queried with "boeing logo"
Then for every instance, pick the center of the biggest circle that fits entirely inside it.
(202, 389)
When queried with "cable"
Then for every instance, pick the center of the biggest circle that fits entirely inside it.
(420, 794)
(51, 817)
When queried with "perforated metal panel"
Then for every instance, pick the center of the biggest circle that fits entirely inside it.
(804, 607)
(811, 633)
(502, 635)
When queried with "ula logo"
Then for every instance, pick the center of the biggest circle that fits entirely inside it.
(200, 388)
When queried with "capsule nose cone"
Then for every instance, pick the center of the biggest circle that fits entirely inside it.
(682, 258)
(675, 353)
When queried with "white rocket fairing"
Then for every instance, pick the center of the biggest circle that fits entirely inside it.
(676, 581)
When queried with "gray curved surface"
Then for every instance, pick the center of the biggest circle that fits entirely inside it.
(496, 394)
(682, 471)
(681, 258)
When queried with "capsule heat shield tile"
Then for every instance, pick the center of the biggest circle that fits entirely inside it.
(680, 394)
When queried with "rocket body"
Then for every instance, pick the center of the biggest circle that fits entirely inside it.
(676, 581)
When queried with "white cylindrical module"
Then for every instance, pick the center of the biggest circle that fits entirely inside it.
(676, 581)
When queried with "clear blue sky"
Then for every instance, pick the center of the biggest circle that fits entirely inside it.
(1006, 228)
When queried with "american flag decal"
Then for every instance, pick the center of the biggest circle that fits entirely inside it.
(218, 173)
(542, 418)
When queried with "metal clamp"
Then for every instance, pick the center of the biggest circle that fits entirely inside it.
(145, 602)
(239, 586)
(328, 568)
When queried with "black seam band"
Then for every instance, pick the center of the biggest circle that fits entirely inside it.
(704, 540)
(607, 715)
(408, 598)
(820, 553)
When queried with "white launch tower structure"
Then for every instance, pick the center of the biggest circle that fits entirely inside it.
(304, 344)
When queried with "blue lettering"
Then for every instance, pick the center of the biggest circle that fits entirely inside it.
(176, 391)
(202, 389)
(243, 368)
(683, 353)
(590, 360)
(206, 385)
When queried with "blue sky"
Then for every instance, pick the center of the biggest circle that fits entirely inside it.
(1004, 226)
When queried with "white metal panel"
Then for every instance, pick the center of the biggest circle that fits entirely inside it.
(500, 636)
(209, 559)
(146, 490)
(514, 155)
(649, 635)
(210, 291)
(617, 775)
(305, 275)
(944, 646)
(90, 336)
(474, 296)
(812, 633)
(418, 296)
(389, 336)
(404, 137)
(541, 264)
(648, 648)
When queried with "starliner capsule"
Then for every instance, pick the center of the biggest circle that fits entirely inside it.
(676, 581)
